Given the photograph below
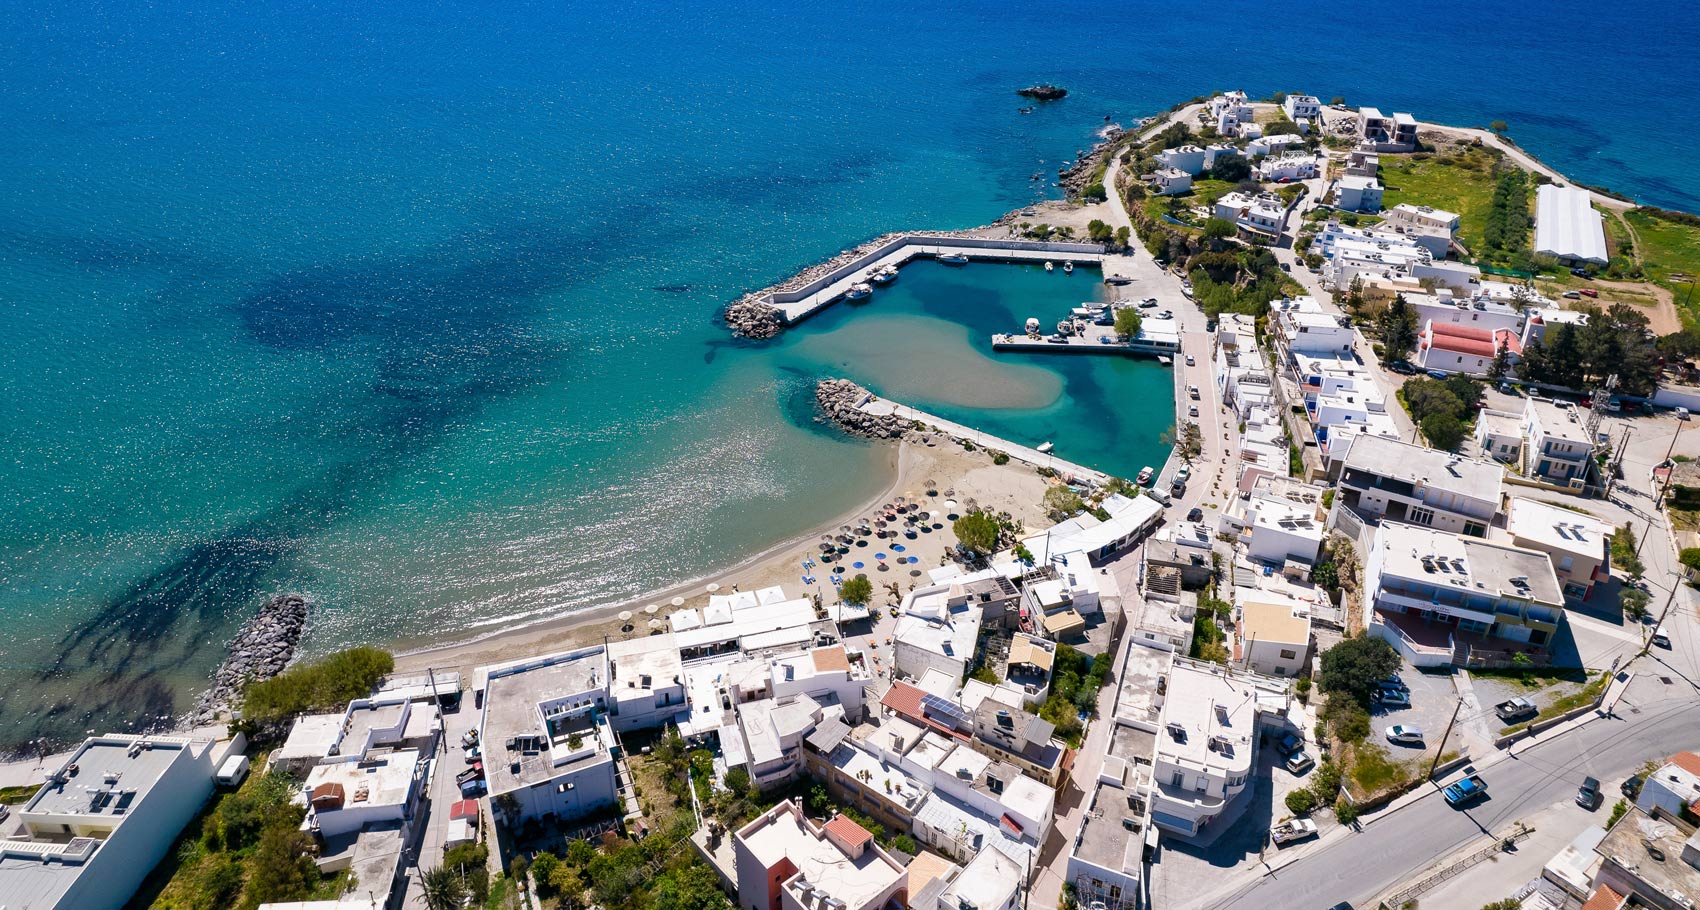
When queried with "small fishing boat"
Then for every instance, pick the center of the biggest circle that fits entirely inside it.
(859, 291)
(1165, 361)
(953, 258)
(1145, 475)
(1050, 266)
(1068, 268)
(1044, 448)
(885, 275)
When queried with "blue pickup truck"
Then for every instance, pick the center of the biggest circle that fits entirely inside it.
(1465, 790)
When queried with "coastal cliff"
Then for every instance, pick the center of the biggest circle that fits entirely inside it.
(840, 400)
(261, 650)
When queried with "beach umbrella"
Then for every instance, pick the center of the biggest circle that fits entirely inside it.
(950, 505)
(677, 602)
(879, 555)
(625, 616)
(653, 608)
(826, 548)
(656, 624)
(915, 572)
(855, 565)
(884, 567)
(713, 586)
(899, 547)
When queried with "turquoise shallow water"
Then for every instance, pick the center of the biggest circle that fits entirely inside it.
(411, 306)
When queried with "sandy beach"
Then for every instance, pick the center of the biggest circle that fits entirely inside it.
(960, 475)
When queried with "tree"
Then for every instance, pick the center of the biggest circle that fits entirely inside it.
(1219, 229)
(1355, 667)
(1094, 192)
(858, 590)
(1425, 396)
(336, 680)
(1128, 322)
(1024, 554)
(1501, 365)
(1398, 327)
(1690, 558)
(1443, 431)
(282, 866)
(738, 781)
(1623, 554)
(1098, 231)
(443, 890)
(1122, 237)
(903, 843)
(543, 869)
(1634, 602)
(1230, 168)
(1498, 126)
(977, 531)
(692, 887)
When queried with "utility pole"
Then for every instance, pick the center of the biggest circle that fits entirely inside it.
(1677, 583)
(1659, 498)
(437, 700)
(1443, 737)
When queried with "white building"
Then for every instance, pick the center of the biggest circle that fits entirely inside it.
(1578, 545)
(1556, 444)
(1169, 181)
(1350, 253)
(1469, 350)
(1357, 194)
(1675, 786)
(1538, 320)
(1273, 145)
(1446, 307)
(1397, 133)
(1262, 215)
(104, 819)
(1342, 399)
(1241, 376)
(1205, 747)
(1567, 226)
(1499, 435)
(1273, 637)
(786, 862)
(1217, 151)
(1299, 166)
(1188, 159)
(1438, 597)
(1302, 107)
(938, 629)
(1305, 328)
(1421, 216)
(991, 881)
(647, 682)
(1230, 111)
(770, 734)
(1383, 478)
(1280, 520)
(344, 798)
(545, 733)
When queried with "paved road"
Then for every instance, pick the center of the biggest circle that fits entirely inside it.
(1654, 720)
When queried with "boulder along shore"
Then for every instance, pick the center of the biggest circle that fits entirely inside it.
(262, 648)
(840, 401)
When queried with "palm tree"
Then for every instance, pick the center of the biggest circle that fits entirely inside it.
(443, 889)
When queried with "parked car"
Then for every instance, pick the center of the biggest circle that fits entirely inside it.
(1580, 272)
(1291, 830)
(473, 754)
(1190, 361)
(1661, 639)
(1286, 267)
(1514, 708)
(1573, 295)
(1300, 763)
(1192, 392)
(1289, 744)
(1465, 790)
(1681, 413)
(1631, 788)
(1588, 795)
(1393, 698)
(1436, 374)
(1148, 303)
(1192, 411)
(1197, 514)
(469, 739)
(1405, 734)
(1590, 292)
(1184, 474)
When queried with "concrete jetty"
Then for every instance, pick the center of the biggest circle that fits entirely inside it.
(1158, 338)
(880, 407)
(794, 301)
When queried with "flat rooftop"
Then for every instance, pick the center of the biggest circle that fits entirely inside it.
(382, 782)
(363, 720)
(112, 776)
(1537, 523)
(1137, 700)
(1562, 421)
(1205, 706)
(782, 833)
(991, 879)
(1105, 838)
(1274, 621)
(1400, 460)
(1468, 564)
(513, 707)
(1627, 842)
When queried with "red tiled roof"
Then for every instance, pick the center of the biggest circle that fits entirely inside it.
(1603, 898)
(1461, 339)
(1687, 761)
(1508, 340)
(466, 808)
(848, 831)
(906, 700)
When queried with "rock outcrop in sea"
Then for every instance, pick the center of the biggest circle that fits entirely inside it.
(840, 400)
(261, 650)
(1043, 92)
(750, 318)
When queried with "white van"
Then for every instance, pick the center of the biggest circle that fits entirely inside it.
(1681, 413)
(233, 771)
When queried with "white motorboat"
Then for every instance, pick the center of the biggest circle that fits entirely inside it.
(1050, 266)
(1068, 268)
(885, 275)
(1145, 475)
(1044, 448)
(953, 259)
(859, 291)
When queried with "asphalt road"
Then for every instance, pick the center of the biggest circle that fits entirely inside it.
(1653, 720)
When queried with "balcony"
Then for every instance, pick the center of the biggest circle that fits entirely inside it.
(1409, 602)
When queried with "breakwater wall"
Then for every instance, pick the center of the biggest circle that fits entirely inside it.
(262, 648)
(765, 313)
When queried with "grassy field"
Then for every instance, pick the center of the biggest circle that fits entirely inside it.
(1465, 188)
(1669, 252)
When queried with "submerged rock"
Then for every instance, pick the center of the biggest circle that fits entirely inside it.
(1043, 92)
(840, 400)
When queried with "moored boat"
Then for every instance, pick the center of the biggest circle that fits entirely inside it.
(885, 275)
(1145, 475)
(1044, 448)
(858, 291)
(953, 258)
(1068, 268)
(1050, 266)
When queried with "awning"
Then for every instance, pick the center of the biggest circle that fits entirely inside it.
(466, 808)
(1011, 825)
(1064, 622)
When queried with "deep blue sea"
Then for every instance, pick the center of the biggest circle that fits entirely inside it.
(411, 306)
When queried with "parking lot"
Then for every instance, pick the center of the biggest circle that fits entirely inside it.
(1433, 699)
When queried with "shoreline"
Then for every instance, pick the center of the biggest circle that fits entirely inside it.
(1017, 488)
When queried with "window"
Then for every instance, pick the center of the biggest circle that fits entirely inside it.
(1421, 516)
(1475, 529)
(1565, 564)
(1202, 783)
(1179, 779)
(1288, 654)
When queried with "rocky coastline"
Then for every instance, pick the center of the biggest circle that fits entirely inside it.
(261, 649)
(840, 401)
(1043, 92)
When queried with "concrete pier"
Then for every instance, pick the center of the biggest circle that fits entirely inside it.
(800, 303)
(881, 406)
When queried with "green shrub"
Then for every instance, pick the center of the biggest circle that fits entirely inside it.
(318, 686)
(1345, 811)
(1301, 801)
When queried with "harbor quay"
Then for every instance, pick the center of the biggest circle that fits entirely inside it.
(799, 303)
(878, 406)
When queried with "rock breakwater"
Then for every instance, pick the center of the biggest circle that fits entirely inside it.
(841, 401)
(750, 318)
(261, 649)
